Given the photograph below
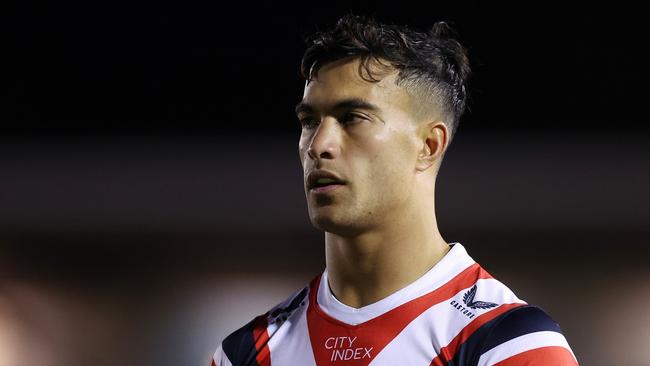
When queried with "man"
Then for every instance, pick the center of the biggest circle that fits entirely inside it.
(380, 107)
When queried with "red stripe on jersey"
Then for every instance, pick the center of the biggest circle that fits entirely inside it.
(333, 340)
(261, 337)
(213, 363)
(448, 352)
(552, 355)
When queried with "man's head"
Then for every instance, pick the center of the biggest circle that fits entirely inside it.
(380, 106)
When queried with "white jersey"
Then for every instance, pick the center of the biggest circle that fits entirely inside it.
(455, 314)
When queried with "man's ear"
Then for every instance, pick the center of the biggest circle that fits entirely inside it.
(434, 138)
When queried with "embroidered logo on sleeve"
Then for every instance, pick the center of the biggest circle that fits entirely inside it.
(468, 299)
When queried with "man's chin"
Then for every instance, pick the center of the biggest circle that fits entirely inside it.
(325, 219)
(334, 225)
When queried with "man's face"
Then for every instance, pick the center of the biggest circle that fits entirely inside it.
(365, 134)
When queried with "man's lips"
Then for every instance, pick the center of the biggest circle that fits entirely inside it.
(319, 174)
(326, 188)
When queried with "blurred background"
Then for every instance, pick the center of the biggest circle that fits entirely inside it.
(151, 197)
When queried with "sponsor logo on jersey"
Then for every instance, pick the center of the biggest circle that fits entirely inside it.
(468, 299)
(345, 349)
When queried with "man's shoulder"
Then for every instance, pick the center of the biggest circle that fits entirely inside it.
(526, 334)
(249, 342)
(520, 321)
(503, 326)
(288, 307)
(483, 285)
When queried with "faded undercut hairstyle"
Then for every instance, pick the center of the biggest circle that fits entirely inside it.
(432, 66)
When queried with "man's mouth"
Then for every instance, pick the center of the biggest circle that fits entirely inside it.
(326, 187)
(323, 180)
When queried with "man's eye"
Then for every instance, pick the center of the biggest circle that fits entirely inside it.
(352, 117)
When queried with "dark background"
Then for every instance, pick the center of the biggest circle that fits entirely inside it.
(151, 196)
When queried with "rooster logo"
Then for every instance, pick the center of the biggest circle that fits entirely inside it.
(468, 299)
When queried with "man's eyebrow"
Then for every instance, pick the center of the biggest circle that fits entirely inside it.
(304, 107)
(351, 103)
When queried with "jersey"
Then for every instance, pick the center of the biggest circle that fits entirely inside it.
(455, 314)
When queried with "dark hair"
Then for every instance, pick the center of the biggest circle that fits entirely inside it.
(432, 64)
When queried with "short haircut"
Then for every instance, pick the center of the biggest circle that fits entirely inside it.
(431, 65)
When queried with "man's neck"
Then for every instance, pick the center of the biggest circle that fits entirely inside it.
(369, 267)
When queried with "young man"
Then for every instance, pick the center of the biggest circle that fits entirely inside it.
(380, 107)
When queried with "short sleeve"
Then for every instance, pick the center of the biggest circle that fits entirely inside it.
(525, 336)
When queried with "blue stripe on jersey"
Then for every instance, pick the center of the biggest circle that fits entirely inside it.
(520, 321)
(239, 346)
(509, 325)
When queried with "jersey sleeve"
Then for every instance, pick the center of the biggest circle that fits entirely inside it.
(248, 345)
(245, 346)
(525, 336)
(220, 358)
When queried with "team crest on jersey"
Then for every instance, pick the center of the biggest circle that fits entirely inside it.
(468, 299)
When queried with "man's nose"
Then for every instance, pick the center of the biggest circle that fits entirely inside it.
(325, 141)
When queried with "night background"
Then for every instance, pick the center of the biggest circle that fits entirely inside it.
(151, 196)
